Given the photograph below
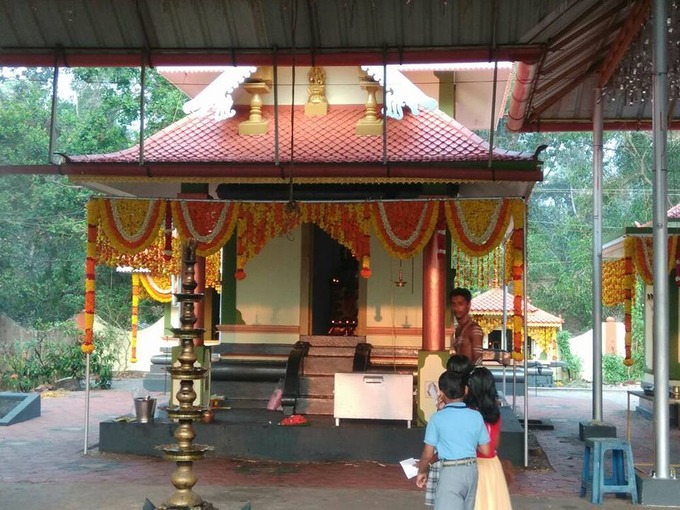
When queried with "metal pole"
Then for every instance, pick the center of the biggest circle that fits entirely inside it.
(53, 113)
(597, 254)
(87, 401)
(660, 236)
(526, 341)
(142, 79)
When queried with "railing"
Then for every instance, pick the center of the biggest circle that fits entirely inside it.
(291, 385)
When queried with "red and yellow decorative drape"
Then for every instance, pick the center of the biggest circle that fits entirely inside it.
(137, 234)
(480, 226)
(619, 278)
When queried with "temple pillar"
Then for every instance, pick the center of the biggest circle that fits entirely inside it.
(434, 302)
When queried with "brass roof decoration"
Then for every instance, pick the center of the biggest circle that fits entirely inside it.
(259, 83)
(316, 104)
(370, 124)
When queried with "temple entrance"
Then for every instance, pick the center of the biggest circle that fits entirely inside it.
(335, 287)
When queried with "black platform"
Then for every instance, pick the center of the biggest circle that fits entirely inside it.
(255, 434)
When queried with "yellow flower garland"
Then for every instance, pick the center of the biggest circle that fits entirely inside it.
(91, 252)
(628, 288)
(135, 317)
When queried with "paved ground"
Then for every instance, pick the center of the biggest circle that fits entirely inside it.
(44, 466)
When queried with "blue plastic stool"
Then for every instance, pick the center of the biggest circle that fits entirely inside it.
(622, 480)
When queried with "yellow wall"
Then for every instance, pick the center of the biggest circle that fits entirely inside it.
(270, 294)
(392, 310)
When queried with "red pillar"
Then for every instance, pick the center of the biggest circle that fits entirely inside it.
(434, 302)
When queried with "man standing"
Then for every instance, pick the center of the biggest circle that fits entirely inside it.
(468, 335)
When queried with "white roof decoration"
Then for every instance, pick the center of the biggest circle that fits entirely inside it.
(218, 93)
(400, 92)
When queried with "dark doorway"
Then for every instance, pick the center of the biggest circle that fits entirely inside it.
(496, 340)
(335, 287)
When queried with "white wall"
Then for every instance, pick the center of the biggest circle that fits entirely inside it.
(582, 346)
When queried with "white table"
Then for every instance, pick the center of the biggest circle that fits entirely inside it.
(373, 396)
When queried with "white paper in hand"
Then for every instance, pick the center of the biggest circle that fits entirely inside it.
(410, 467)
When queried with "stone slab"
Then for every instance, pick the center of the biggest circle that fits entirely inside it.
(588, 429)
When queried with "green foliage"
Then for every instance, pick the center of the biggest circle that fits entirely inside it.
(560, 227)
(43, 361)
(572, 363)
(42, 217)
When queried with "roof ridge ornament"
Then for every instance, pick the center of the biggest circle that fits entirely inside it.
(401, 92)
(217, 94)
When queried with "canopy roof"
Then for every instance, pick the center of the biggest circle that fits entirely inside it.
(490, 305)
(428, 148)
(566, 48)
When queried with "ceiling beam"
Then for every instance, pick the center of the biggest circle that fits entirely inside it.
(127, 57)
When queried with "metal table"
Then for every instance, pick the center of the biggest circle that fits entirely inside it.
(644, 396)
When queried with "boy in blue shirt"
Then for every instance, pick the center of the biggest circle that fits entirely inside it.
(455, 433)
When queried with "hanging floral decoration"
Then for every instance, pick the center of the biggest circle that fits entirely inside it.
(167, 235)
(134, 317)
(156, 287)
(90, 263)
(629, 285)
(131, 225)
(477, 272)
(478, 226)
(643, 256)
(613, 276)
(211, 224)
(258, 223)
(518, 291)
(348, 225)
(128, 232)
(404, 228)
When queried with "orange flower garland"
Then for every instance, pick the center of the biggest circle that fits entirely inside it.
(92, 212)
(518, 291)
(643, 256)
(404, 228)
(210, 223)
(131, 225)
(628, 287)
(478, 226)
(135, 317)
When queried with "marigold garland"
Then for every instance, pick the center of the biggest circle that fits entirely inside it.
(478, 226)
(643, 256)
(210, 223)
(91, 251)
(259, 222)
(156, 287)
(134, 318)
(613, 274)
(131, 225)
(404, 228)
(628, 287)
(518, 291)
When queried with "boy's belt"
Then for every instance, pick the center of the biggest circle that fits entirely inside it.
(460, 462)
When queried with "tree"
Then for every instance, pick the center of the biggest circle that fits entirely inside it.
(42, 218)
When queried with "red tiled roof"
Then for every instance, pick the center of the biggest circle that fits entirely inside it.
(430, 137)
(491, 303)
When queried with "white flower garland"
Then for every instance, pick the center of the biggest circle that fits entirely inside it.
(206, 239)
(143, 231)
(390, 233)
(491, 225)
